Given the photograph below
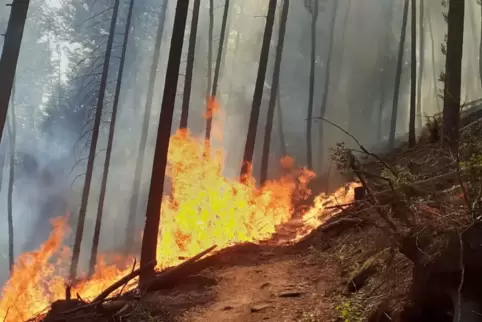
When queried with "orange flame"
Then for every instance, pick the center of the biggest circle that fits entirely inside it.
(213, 107)
(203, 209)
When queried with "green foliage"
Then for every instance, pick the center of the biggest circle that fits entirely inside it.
(350, 311)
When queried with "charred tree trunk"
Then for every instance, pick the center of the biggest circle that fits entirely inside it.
(313, 9)
(190, 65)
(274, 91)
(9, 58)
(398, 76)
(219, 56)
(258, 91)
(131, 224)
(110, 140)
(324, 98)
(453, 73)
(413, 77)
(421, 58)
(281, 131)
(217, 69)
(209, 120)
(12, 133)
(153, 212)
(93, 146)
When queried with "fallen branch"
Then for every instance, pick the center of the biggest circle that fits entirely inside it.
(171, 276)
(123, 281)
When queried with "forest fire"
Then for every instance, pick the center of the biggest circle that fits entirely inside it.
(204, 209)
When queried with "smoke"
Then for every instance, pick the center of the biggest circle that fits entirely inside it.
(51, 119)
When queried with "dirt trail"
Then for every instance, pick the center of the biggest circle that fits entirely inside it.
(306, 282)
(294, 286)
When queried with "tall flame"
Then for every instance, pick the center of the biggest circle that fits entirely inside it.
(204, 209)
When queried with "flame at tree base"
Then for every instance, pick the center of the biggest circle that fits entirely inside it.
(203, 209)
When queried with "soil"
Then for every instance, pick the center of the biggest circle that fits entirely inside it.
(309, 281)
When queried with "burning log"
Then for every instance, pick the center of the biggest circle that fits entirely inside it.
(172, 276)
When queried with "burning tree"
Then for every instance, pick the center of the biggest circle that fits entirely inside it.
(153, 212)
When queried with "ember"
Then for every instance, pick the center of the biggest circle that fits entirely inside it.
(205, 209)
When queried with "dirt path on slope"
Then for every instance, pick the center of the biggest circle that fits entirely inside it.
(294, 286)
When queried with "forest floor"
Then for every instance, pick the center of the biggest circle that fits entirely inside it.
(372, 262)
(357, 271)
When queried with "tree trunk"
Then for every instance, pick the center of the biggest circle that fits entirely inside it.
(190, 65)
(324, 98)
(217, 69)
(219, 57)
(12, 133)
(309, 144)
(385, 53)
(480, 45)
(421, 58)
(258, 91)
(10, 52)
(281, 132)
(435, 78)
(413, 77)
(274, 92)
(131, 224)
(453, 73)
(93, 146)
(209, 120)
(398, 76)
(153, 212)
(105, 175)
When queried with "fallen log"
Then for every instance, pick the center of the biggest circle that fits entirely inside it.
(102, 296)
(170, 277)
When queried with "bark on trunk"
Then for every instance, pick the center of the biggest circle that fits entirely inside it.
(12, 134)
(190, 65)
(93, 146)
(110, 140)
(153, 212)
(258, 91)
(413, 77)
(10, 52)
(131, 224)
(309, 144)
(326, 86)
(453, 73)
(398, 76)
(274, 92)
